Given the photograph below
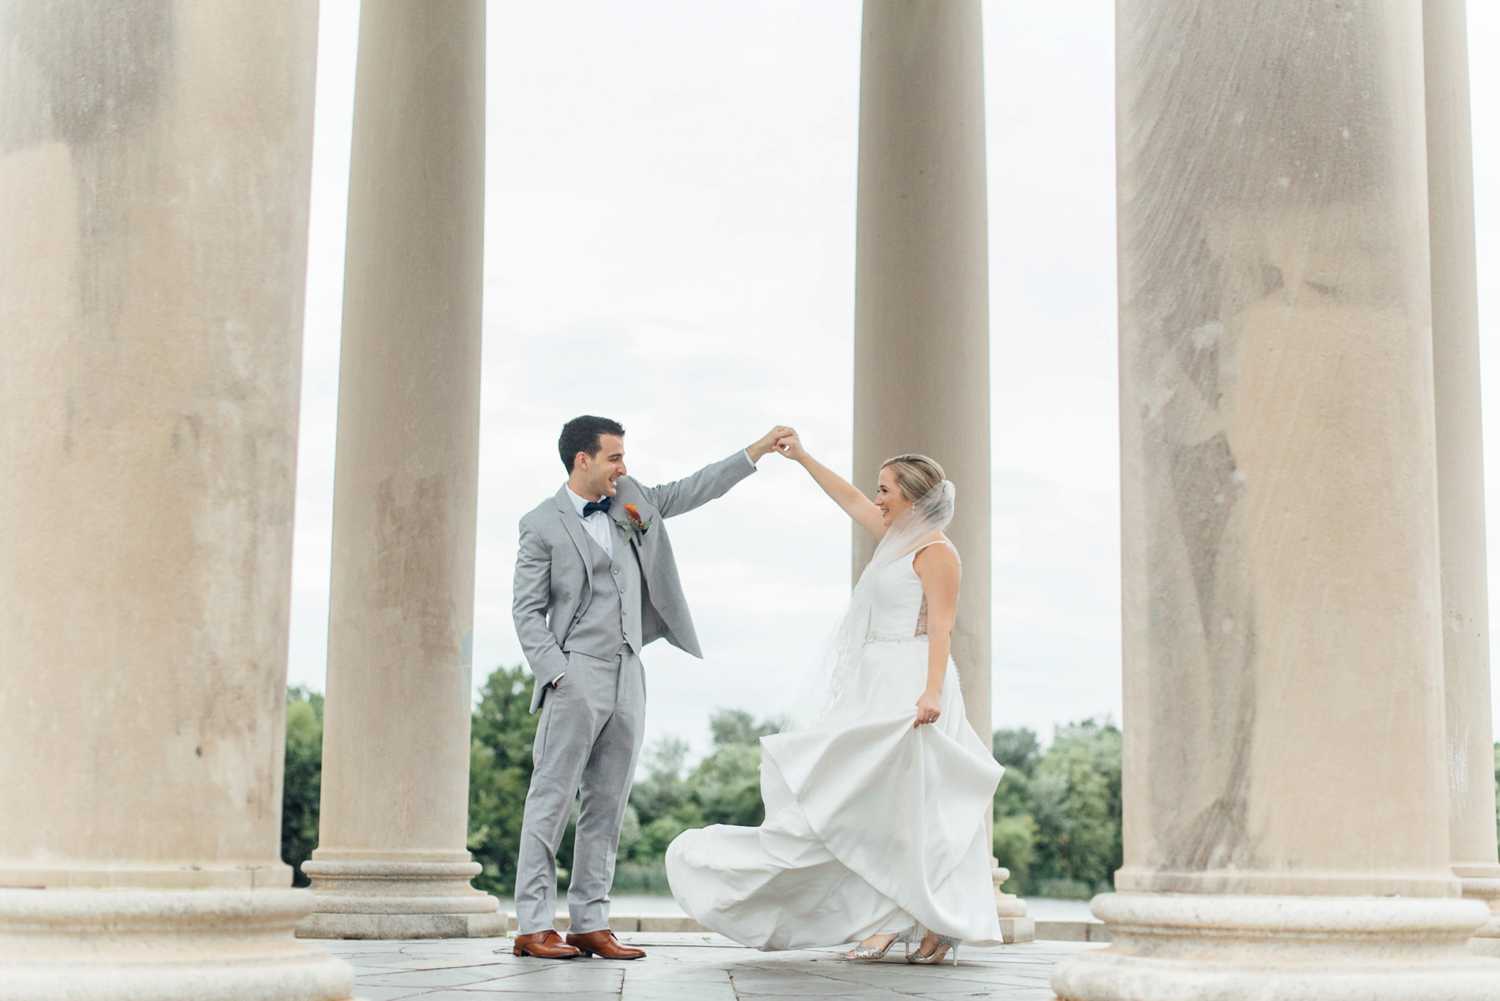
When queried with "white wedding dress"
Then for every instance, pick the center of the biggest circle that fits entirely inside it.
(871, 824)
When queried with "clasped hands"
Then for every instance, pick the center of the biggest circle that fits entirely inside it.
(771, 441)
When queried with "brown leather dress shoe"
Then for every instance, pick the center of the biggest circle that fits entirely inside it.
(544, 945)
(602, 943)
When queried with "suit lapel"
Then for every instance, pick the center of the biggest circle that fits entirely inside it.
(574, 527)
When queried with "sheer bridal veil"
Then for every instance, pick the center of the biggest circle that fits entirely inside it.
(823, 689)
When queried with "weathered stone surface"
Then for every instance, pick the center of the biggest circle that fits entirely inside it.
(1072, 931)
(173, 945)
(1015, 926)
(691, 967)
(1282, 601)
(154, 172)
(921, 313)
(391, 841)
(1195, 945)
(1460, 461)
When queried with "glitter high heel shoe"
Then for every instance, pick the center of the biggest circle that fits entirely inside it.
(938, 953)
(870, 954)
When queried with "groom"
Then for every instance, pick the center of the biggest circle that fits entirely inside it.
(595, 582)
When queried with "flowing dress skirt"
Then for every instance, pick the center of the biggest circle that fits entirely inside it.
(871, 825)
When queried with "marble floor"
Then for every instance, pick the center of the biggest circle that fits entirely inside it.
(689, 966)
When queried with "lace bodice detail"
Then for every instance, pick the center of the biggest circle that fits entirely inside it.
(898, 605)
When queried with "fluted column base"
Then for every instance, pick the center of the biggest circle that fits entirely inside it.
(1015, 924)
(166, 945)
(397, 897)
(1482, 883)
(1186, 947)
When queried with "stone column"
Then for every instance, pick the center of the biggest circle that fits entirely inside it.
(1460, 461)
(391, 860)
(921, 312)
(1285, 785)
(154, 173)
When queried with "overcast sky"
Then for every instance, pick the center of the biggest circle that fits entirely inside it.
(670, 199)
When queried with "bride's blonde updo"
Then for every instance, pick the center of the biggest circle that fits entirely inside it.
(915, 474)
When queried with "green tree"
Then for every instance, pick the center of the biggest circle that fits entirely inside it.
(1075, 797)
(723, 788)
(1013, 794)
(302, 782)
(501, 736)
(1015, 846)
(1015, 830)
(662, 802)
(726, 786)
(1057, 810)
(735, 726)
(664, 790)
(1017, 749)
(651, 847)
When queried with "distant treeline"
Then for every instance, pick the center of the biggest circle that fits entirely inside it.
(1057, 810)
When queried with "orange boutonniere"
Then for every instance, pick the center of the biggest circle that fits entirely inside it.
(638, 526)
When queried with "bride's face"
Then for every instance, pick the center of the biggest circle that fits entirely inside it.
(888, 497)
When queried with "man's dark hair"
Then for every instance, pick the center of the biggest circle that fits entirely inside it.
(582, 434)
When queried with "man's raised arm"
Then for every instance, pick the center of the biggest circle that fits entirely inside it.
(712, 481)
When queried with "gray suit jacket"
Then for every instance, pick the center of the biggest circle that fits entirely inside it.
(552, 566)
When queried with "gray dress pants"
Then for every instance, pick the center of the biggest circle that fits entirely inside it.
(587, 743)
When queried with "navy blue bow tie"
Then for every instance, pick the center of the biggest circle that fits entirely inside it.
(602, 504)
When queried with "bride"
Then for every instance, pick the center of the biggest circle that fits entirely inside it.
(876, 798)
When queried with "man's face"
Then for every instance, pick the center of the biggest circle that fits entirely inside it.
(600, 470)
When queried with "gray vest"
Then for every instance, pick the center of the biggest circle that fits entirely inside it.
(611, 619)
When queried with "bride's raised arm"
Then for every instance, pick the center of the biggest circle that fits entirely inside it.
(845, 494)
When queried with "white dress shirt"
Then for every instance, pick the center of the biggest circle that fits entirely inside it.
(596, 524)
